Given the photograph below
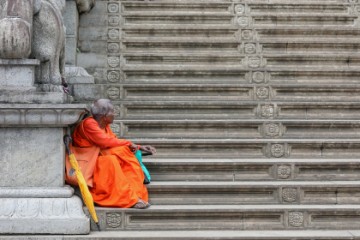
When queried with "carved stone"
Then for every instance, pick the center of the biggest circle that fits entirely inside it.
(296, 219)
(49, 44)
(289, 195)
(113, 220)
(15, 28)
(277, 150)
(272, 130)
(284, 172)
(84, 6)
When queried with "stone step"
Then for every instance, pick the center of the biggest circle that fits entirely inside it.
(201, 235)
(220, 110)
(231, 217)
(256, 61)
(238, 92)
(236, 77)
(258, 192)
(253, 148)
(244, 129)
(253, 169)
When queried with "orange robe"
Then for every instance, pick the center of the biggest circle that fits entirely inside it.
(118, 177)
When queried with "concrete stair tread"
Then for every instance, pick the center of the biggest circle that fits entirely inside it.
(200, 235)
(249, 184)
(236, 67)
(244, 161)
(241, 103)
(244, 121)
(253, 2)
(333, 87)
(234, 207)
(330, 140)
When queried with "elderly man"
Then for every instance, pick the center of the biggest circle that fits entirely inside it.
(118, 178)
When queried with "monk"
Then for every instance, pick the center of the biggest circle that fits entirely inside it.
(118, 177)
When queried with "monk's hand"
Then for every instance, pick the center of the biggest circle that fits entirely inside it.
(133, 147)
(148, 148)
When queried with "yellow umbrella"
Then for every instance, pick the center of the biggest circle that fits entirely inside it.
(85, 193)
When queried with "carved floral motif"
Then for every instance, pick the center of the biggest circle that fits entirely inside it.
(113, 220)
(289, 194)
(296, 219)
(284, 171)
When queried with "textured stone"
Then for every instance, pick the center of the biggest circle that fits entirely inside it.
(42, 216)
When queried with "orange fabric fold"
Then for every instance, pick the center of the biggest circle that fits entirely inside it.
(118, 177)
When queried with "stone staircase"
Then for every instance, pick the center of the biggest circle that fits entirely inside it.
(254, 109)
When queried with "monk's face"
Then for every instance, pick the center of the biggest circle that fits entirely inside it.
(109, 117)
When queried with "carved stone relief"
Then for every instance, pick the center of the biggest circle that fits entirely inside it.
(289, 195)
(272, 130)
(277, 150)
(296, 219)
(284, 172)
(267, 111)
(113, 220)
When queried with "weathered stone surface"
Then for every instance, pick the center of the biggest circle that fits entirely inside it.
(33, 215)
(16, 29)
(17, 73)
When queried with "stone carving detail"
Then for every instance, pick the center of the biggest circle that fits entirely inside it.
(35, 116)
(114, 34)
(113, 21)
(84, 6)
(254, 62)
(277, 150)
(113, 76)
(239, 9)
(262, 92)
(114, 62)
(296, 219)
(113, 220)
(15, 28)
(113, 48)
(113, 93)
(272, 129)
(36, 207)
(247, 34)
(267, 111)
(243, 21)
(113, 8)
(353, 1)
(48, 43)
(250, 48)
(284, 172)
(258, 77)
(289, 194)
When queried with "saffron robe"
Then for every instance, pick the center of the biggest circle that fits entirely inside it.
(118, 177)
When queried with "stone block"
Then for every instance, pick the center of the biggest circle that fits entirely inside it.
(71, 18)
(43, 216)
(18, 73)
(71, 50)
(89, 60)
(35, 153)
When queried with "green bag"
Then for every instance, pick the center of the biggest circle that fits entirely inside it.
(138, 155)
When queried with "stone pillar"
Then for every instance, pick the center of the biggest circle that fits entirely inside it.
(81, 83)
(33, 196)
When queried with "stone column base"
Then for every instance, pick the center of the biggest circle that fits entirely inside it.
(43, 216)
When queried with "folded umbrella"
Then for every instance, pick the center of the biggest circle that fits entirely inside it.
(85, 193)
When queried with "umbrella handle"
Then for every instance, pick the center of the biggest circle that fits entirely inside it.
(67, 141)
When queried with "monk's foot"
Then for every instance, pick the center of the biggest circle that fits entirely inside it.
(141, 204)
